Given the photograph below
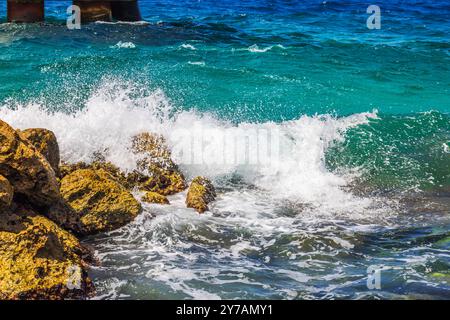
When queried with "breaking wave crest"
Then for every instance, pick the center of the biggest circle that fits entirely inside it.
(113, 114)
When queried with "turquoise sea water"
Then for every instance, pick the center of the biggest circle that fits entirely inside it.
(364, 176)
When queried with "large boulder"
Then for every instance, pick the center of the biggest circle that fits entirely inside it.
(6, 194)
(39, 260)
(155, 160)
(201, 192)
(100, 201)
(64, 216)
(45, 142)
(26, 169)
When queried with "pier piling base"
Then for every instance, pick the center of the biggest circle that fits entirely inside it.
(25, 10)
(125, 10)
(94, 10)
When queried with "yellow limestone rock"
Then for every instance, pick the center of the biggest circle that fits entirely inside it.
(26, 169)
(39, 260)
(102, 203)
(201, 192)
(114, 171)
(6, 194)
(45, 142)
(164, 175)
(153, 197)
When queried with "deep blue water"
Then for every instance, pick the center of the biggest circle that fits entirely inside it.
(363, 114)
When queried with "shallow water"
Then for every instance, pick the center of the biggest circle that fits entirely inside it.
(361, 120)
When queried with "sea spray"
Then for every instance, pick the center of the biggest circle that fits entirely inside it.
(286, 159)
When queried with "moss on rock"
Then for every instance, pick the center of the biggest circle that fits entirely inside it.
(102, 203)
(201, 192)
(153, 197)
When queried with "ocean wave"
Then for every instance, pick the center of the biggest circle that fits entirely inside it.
(292, 209)
(398, 153)
(295, 170)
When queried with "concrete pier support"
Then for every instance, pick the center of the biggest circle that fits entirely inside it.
(125, 10)
(91, 10)
(25, 10)
(94, 10)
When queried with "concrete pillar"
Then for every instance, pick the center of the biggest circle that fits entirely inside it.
(94, 10)
(125, 10)
(25, 10)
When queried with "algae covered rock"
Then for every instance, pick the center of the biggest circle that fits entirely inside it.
(45, 142)
(6, 194)
(102, 203)
(114, 171)
(163, 181)
(164, 176)
(153, 197)
(26, 169)
(39, 260)
(201, 192)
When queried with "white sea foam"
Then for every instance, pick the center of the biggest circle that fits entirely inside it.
(133, 23)
(197, 63)
(124, 45)
(256, 49)
(188, 46)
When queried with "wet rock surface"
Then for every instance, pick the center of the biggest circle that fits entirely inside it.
(201, 192)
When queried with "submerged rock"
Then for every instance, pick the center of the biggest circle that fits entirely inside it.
(153, 197)
(102, 203)
(201, 192)
(26, 169)
(46, 144)
(39, 260)
(6, 194)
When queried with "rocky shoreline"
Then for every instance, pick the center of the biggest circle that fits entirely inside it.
(47, 206)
